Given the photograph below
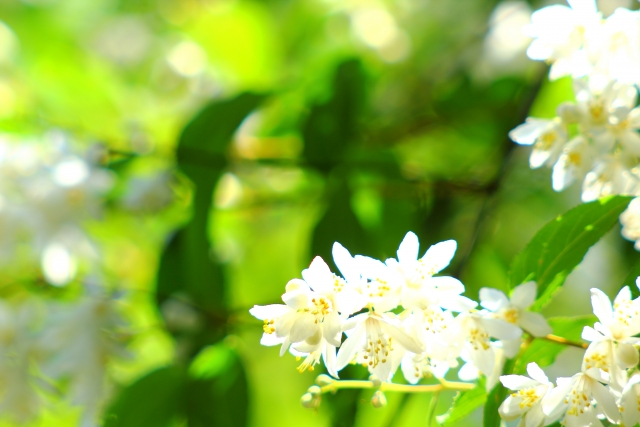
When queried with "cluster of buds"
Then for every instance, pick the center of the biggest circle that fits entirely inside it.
(398, 314)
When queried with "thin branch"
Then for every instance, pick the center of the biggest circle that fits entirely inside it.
(564, 341)
(402, 388)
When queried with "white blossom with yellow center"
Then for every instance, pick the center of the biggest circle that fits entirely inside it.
(526, 400)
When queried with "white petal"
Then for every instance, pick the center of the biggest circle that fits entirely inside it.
(329, 356)
(601, 306)
(500, 329)
(606, 401)
(350, 346)
(528, 132)
(468, 372)
(270, 339)
(402, 338)
(493, 299)
(510, 409)
(590, 334)
(536, 373)
(318, 276)
(511, 347)
(517, 382)
(346, 264)
(304, 326)
(269, 312)
(297, 300)
(627, 355)
(534, 417)
(623, 295)
(534, 323)
(439, 255)
(523, 296)
(483, 359)
(457, 303)
(332, 329)
(408, 249)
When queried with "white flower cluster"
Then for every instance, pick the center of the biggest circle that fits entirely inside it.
(46, 193)
(603, 151)
(594, 141)
(608, 385)
(398, 313)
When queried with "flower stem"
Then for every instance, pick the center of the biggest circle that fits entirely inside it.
(564, 341)
(402, 388)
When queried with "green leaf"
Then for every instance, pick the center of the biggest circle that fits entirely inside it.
(332, 125)
(217, 392)
(544, 352)
(562, 244)
(497, 395)
(186, 267)
(630, 280)
(464, 405)
(491, 417)
(153, 400)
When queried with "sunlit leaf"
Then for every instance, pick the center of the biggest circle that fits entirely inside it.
(562, 244)
(464, 405)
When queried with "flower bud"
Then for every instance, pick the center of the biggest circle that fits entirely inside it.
(378, 400)
(314, 390)
(324, 380)
(310, 401)
(375, 381)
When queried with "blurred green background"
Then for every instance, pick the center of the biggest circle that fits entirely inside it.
(325, 120)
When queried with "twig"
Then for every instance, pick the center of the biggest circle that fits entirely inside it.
(334, 386)
(564, 341)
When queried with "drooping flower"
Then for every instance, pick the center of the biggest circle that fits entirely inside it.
(378, 342)
(612, 343)
(581, 399)
(514, 310)
(527, 400)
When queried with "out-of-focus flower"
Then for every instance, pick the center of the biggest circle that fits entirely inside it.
(149, 193)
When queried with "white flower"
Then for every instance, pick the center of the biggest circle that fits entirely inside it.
(376, 341)
(470, 372)
(82, 338)
(619, 52)
(380, 289)
(563, 37)
(574, 163)
(611, 350)
(526, 402)
(306, 316)
(514, 310)
(575, 397)
(629, 406)
(418, 288)
(475, 330)
(630, 220)
(547, 137)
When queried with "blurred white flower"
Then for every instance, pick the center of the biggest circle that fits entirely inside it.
(81, 338)
(149, 193)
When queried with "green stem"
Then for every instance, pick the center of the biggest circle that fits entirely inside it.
(402, 388)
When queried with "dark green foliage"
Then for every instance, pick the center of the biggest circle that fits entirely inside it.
(332, 125)
(561, 244)
(187, 269)
(339, 223)
(153, 400)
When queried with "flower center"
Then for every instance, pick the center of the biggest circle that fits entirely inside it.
(377, 351)
(268, 326)
(578, 402)
(546, 140)
(478, 338)
(528, 397)
(597, 360)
